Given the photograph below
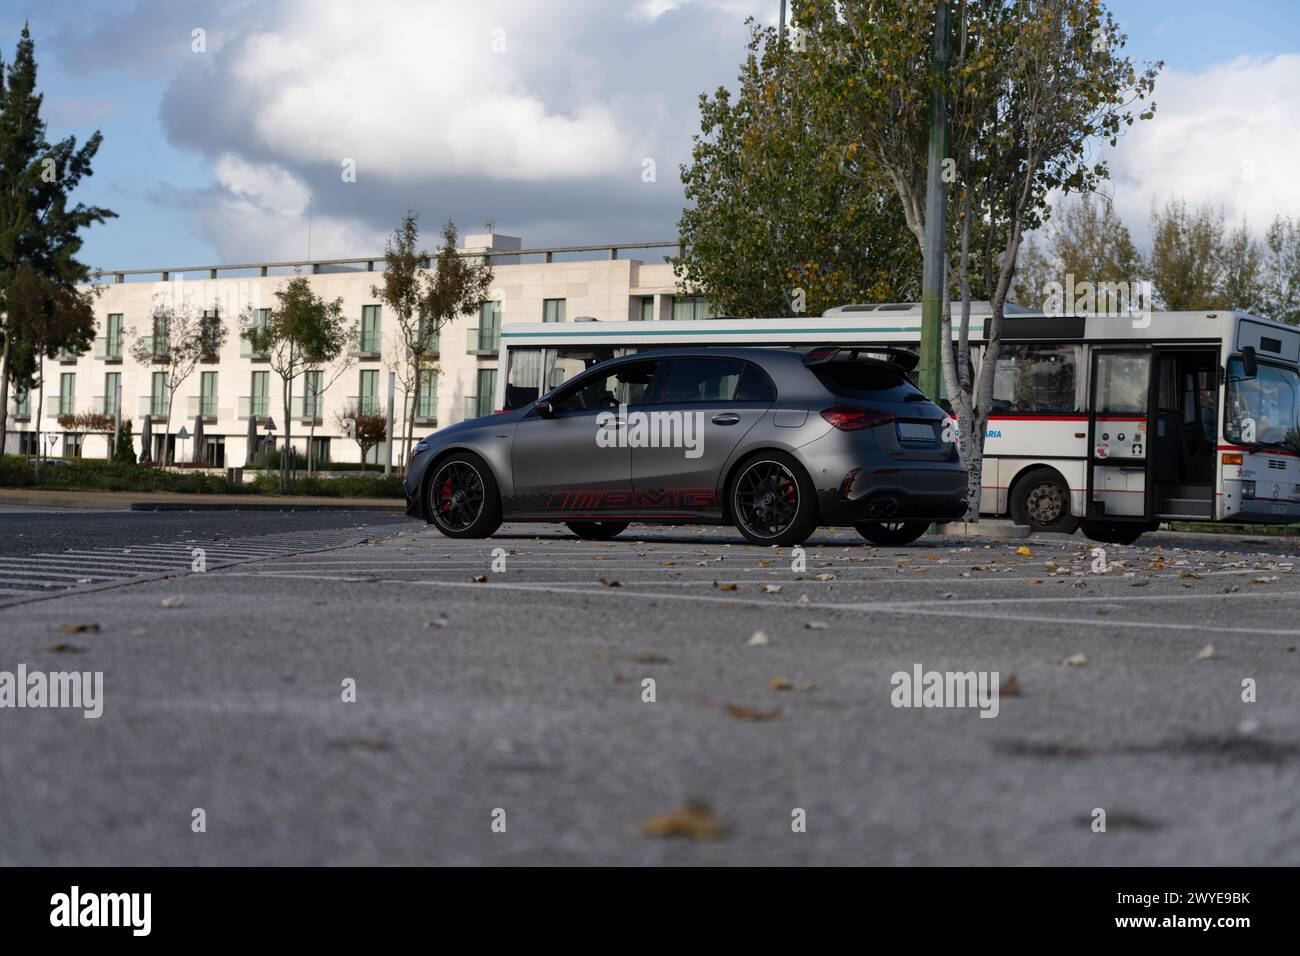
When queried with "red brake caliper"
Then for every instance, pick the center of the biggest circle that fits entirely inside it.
(446, 494)
(788, 490)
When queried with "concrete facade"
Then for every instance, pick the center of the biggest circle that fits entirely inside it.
(606, 286)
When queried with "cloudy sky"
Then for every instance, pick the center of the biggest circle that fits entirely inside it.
(537, 116)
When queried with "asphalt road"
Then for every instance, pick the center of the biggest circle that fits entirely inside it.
(523, 693)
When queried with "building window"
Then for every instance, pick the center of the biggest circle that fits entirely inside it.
(426, 407)
(68, 393)
(553, 310)
(108, 403)
(259, 401)
(320, 451)
(158, 395)
(161, 341)
(370, 330)
(22, 403)
(647, 308)
(214, 451)
(311, 401)
(72, 445)
(367, 402)
(112, 343)
(429, 335)
(27, 444)
(481, 404)
(261, 322)
(209, 336)
(208, 395)
(487, 337)
(686, 307)
(1037, 380)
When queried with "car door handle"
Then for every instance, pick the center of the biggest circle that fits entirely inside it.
(726, 418)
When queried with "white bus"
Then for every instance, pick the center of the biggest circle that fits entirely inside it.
(1109, 423)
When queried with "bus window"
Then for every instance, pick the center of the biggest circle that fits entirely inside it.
(1037, 380)
(1271, 400)
(522, 377)
(567, 362)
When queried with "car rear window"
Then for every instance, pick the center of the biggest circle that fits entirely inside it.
(868, 379)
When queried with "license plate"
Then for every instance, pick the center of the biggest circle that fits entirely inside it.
(908, 431)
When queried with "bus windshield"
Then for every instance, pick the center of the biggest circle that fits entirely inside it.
(1264, 409)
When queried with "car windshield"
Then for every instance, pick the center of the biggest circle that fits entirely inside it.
(1264, 409)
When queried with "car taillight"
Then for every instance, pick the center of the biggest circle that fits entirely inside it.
(848, 418)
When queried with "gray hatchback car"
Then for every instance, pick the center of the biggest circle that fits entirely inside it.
(775, 441)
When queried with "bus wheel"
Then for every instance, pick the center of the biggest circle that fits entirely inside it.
(1042, 501)
(1113, 533)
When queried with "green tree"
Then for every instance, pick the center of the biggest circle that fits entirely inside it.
(302, 331)
(124, 448)
(424, 300)
(1197, 263)
(770, 209)
(39, 232)
(1084, 239)
(1031, 85)
(1280, 287)
(178, 340)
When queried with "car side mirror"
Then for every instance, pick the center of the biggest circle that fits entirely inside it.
(1249, 365)
(544, 408)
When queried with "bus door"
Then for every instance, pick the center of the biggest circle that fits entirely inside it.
(1119, 423)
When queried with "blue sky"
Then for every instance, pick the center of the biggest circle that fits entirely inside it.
(207, 158)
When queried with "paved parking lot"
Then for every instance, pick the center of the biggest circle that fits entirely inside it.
(505, 682)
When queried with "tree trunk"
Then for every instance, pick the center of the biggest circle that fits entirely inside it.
(4, 398)
(286, 392)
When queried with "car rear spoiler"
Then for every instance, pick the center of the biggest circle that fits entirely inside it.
(905, 359)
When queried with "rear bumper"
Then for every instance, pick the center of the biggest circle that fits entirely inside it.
(933, 493)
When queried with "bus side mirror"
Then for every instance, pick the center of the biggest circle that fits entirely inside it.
(545, 409)
(1249, 366)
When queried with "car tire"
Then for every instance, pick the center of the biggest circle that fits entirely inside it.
(892, 534)
(760, 495)
(1041, 500)
(1113, 533)
(461, 497)
(597, 530)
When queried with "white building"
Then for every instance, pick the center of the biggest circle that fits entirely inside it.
(529, 285)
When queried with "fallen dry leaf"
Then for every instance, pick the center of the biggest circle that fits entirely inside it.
(751, 713)
(1075, 660)
(176, 601)
(80, 628)
(1010, 687)
(610, 584)
(729, 586)
(769, 588)
(479, 578)
(785, 683)
(692, 820)
(1205, 653)
(65, 649)
(759, 639)
(1024, 551)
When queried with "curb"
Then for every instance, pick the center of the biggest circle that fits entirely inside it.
(982, 529)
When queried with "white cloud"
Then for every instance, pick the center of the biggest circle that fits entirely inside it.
(1228, 135)
(422, 91)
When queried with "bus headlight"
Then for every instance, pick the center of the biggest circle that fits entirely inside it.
(1248, 490)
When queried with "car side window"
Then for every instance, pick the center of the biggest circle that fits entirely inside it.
(623, 385)
(755, 386)
(711, 380)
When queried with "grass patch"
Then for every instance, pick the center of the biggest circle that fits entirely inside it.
(98, 475)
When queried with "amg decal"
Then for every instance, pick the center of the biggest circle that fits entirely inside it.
(636, 499)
